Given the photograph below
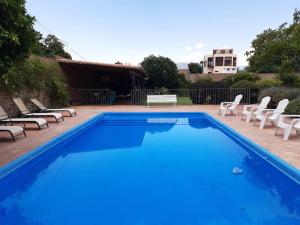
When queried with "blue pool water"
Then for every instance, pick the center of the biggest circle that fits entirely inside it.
(150, 169)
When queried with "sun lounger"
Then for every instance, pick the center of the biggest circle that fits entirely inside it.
(288, 127)
(37, 103)
(26, 113)
(249, 110)
(40, 122)
(164, 99)
(271, 114)
(13, 131)
(230, 106)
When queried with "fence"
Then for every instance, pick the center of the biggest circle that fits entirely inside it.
(92, 97)
(194, 96)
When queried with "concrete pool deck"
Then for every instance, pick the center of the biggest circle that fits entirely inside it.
(287, 150)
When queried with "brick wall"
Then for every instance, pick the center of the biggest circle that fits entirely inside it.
(9, 106)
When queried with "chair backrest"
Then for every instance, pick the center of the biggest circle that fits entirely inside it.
(21, 106)
(3, 115)
(264, 103)
(38, 104)
(237, 100)
(279, 109)
(161, 98)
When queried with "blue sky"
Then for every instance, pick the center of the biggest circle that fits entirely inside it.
(184, 30)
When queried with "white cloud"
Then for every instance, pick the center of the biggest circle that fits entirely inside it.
(188, 48)
(199, 45)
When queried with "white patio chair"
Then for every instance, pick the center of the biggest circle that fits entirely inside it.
(288, 127)
(249, 110)
(271, 114)
(231, 106)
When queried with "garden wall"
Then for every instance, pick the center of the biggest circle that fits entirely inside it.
(218, 77)
(7, 103)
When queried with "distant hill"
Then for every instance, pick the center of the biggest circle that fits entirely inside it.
(182, 66)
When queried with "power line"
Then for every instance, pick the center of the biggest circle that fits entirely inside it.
(64, 42)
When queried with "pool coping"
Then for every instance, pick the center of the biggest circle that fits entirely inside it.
(269, 157)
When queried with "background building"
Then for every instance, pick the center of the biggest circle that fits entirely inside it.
(221, 61)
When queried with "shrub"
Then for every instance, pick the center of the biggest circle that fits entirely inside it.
(245, 84)
(276, 94)
(207, 82)
(289, 79)
(282, 95)
(37, 74)
(195, 68)
(230, 80)
(248, 84)
(266, 83)
(293, 107)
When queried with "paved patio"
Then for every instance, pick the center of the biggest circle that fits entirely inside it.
(287, 150)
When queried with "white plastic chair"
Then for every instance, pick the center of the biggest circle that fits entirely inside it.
(271, 114)
(231, 106)
(250, 109)
(288, 127)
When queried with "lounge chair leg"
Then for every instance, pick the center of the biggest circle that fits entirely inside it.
(24, 133)
(12, 136)
(254, 121)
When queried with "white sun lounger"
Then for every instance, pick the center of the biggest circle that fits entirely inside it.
(26, 113)
(288, 127)
(40, 122)
(13, 131)
(249, 110)
(271, 114)
(231, 106)
(37, 103)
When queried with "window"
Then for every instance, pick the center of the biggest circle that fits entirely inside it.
(228, 61)
(219, 61)
(222, 51)
(210, 62)
(215, 51)
(234, 61)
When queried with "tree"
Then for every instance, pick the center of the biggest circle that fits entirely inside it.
(16, 33)
(195, 68)
(49, 47)
(277, 50)
(162, 72)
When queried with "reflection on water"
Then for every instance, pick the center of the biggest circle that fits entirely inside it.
(141, 171)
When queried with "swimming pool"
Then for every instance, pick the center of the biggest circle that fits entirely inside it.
(149, 169)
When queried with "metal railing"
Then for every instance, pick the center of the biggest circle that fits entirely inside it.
(194, 96)
(92, 97)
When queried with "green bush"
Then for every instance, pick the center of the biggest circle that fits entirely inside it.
(282, 95)
(230, 80)
(207, 82)
(195, 68)
(293, 107)
(266, 83)
(248, 84)
(289, 79)
(276, 94)
(245, 84)
(37, 74)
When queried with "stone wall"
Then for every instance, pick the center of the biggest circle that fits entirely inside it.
(9, 106)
